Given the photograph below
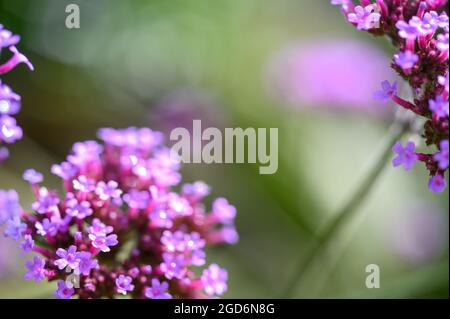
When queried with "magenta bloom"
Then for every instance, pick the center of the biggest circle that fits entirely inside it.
(439, 107)
(406, 60)
(405, 155)
(68, 258)
(158, 290)
(437, 184)
(63, 291)
(338, 75)
(214, 280)
(365, 18)
(110, 202)
(442, 156)
(124, 284)
(36, 269)
(387, 91)
(10, 132)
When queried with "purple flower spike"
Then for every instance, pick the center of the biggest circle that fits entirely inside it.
(36, 269)
(32, 176)
(63, 291)
(214, 280)
(437, 184)
(387, 91)
(439, 107)
(124, 284)
(158, 290)
(406, 60)
(405, 155)
(442, 156)
(68, 258)
(366, 18)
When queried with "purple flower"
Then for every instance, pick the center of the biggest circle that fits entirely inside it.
(196, 191)
(15, 60)
(124, 284)
(9, 205)
(9, 101)
(47, 202)
(85, 263)
(443, 80)
(437, 184)
(442, 42)
(411, 30)
(365, 18)
(76, 208)
(387, 91)
(173, 266)
(158, 290)
(106, 191)
(36, 269)
(223, 212)
(405, 155)
(161, 218)
(14, 228)
(32, 176)
(137, 199)
(83, 184)
(406, 60)
(173, 241)
(99, 229)
(103, 242)
(439, 107)
(64, 291)
(7, 38)
(214, 280)
(431, 21)
(46, 228)
(84, 152)
(9, 130)
(442, 156)
(65, 170)
(68, 258)
(28, 244)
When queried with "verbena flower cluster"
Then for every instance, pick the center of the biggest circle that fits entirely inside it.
(119, 228)
(9, 101)
(420, 32)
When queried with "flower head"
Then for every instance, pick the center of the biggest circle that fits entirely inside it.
(214, 280)
(155, 232)
(365, 18)
(36, 269)
(437, 184)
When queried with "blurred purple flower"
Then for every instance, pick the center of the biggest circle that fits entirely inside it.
(419, 234)
(336, 74)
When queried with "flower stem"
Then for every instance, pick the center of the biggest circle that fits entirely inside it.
(324, 236)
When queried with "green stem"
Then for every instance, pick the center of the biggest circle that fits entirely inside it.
(316, 249)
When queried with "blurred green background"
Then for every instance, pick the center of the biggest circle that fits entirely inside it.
(160, 63)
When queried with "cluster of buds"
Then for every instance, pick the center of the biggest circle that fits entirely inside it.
(420, 32)
(120, 228)
(9, 101)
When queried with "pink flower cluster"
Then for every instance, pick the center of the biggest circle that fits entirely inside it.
(9, 101)
(120, 228)
(420, 32)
